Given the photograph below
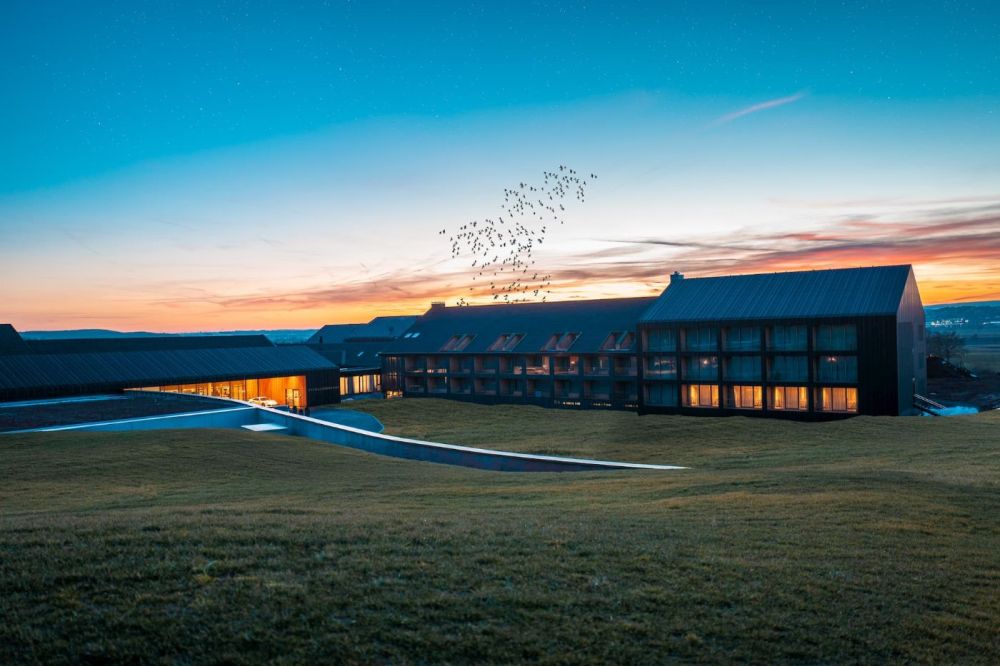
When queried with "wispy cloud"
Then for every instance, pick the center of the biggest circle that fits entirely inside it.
(762, 106)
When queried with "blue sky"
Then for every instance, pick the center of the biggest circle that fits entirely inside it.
(291, 134)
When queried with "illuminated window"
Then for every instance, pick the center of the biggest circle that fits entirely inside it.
(744, 397)
(788, 398)
(700, 395)
(837, 399)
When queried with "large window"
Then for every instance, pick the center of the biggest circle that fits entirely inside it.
(788, 369)
(700, 395)
(836, 337)
(597, 365)
(744, 397)
(787, 338)
(662, 394)
(837, 369)
(661, 339)
(701, 367)
(742, 367)
(788, 398)
(661, 366)
(701, 339)
(567, 365)
(835, 399)
(742, 338)
(537, 365)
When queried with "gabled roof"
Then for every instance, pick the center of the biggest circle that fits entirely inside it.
(594, 320)
(361, 354)
(146, 343)
(841, 292)
(379, 328)
(10, 340)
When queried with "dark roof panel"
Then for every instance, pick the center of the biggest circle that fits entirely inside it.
(593, 320)
(804, 294)
(155, 367)
(10, 340)
(385, 328)
(146, 343)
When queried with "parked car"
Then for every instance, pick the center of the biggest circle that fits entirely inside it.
(263, 401)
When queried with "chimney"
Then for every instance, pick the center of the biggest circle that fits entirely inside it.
(676, 277)
(437, 305)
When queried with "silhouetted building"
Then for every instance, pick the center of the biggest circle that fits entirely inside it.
(570, 354)
(356, 349)
(809, 344)
(232, 366)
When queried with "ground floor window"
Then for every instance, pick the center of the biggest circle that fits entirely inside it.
(358, 384)
(744, 397)
(701, 395)
(661, 394)
(836, 399)
(289, 391)
(788, 398)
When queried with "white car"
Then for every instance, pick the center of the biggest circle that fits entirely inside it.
(263, 401)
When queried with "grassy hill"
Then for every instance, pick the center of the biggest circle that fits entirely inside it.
(864, 540)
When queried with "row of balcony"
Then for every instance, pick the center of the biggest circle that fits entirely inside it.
(598, 366)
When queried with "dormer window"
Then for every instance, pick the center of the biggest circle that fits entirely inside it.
(560, 341)
(506, 342)
(458, 342)
(618, 341)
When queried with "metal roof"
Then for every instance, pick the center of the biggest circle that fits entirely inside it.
(594, 320)
(841, 292)
(353, 354)
(383, 328)
(153, 363)
(145, 343)
(10, 340)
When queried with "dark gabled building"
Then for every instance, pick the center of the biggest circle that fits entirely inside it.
(811, 344)
(236, 366)
(568, 354)
(356, 349)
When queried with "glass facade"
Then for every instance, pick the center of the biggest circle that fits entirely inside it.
(840, 369)
(702, 338)
(788, 398)
(662, 394)
(741, 338)
(788, 369)
(290, 391)
(701, 367)
(660, 339)
(836, 399)
(744, 397)
(836, 337)
(661, 366)
(700, 395)
(788, 338)
(743, 367)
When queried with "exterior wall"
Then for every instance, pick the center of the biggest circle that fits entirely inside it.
(744, 378)
(605, 380)
(323, 387)
(911, 347)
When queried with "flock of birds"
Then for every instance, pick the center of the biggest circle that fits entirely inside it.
(501, 249)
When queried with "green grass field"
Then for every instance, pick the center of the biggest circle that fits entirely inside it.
(866, 540)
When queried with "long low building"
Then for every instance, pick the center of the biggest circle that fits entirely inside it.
(231, 366)
(806, 344)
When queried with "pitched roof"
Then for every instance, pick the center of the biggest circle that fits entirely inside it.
(150, 362)
(351, 354)
(803, 294)
(379, 328)
(593, 320)
(10, 340)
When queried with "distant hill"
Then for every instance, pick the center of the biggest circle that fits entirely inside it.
(277, 336)
(981, 314)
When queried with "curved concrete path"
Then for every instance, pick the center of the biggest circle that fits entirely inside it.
(242, 414)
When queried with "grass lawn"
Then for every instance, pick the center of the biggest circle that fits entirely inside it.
(863, 540)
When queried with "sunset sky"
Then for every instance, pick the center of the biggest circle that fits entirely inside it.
(255, 165)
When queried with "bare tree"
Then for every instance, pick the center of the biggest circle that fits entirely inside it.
(946, 345)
